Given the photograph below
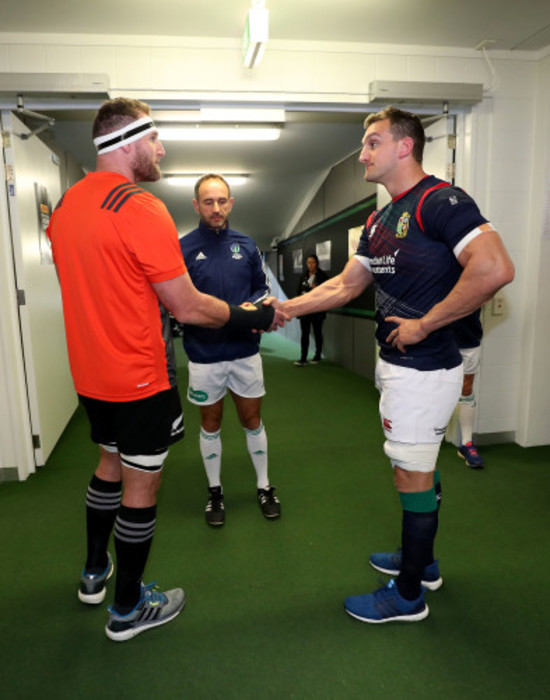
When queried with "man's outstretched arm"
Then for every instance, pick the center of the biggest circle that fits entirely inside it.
(335, 292)
(180, 296)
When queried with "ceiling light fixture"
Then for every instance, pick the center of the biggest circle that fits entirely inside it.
(230, 133)
(255, 34)
(242, 114)
(189, 180)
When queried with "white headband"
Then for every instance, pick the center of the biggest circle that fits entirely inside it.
(127, 134)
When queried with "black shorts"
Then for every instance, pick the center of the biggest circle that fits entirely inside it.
(144, 427)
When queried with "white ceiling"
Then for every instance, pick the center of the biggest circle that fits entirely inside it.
(513, 25)
(286, 170)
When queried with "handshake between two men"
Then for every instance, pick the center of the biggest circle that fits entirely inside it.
(262, 316)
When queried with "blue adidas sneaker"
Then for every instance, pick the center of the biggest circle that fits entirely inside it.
(154, 608)
(386, 605)
(390, 563)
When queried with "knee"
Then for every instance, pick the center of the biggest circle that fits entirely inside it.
(140, 491)
(251, 422)
(412, 481)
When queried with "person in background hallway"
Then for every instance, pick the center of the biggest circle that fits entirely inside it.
(228, 264)
(469, 333)
(410, 249)
(311, 278)
(120, 269)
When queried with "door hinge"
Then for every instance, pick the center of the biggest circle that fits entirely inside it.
(451, 172)
(6, 139)
(36, 442)
(451, 141)
(21, 299)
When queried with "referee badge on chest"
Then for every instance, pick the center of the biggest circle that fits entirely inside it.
(403, 225)
(236, 250)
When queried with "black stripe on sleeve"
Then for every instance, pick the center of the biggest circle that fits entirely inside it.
(118, 195)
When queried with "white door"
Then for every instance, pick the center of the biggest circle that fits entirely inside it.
(439, 152)
(33, 189)
(439, 160)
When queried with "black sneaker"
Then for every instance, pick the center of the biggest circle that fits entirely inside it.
(92, 586)
(301, 363)
(154, 608)
(269, 503)
(215, 509)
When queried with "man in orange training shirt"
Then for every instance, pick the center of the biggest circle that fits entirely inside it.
(120, 268)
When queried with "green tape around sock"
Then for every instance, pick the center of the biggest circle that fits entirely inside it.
(419, 502)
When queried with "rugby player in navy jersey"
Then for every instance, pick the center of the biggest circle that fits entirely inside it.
(433, 258)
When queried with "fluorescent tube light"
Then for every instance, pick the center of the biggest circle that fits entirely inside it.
(190, 180)
(242, 114)
(232, 133)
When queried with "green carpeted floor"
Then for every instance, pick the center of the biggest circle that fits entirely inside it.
(265, 617)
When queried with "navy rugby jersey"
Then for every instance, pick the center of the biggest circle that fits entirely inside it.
(409, 245)
(228, 265)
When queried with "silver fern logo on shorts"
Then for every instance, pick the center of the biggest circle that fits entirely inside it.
(177, 426)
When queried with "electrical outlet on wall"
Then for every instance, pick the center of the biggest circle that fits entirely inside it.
(497, 305)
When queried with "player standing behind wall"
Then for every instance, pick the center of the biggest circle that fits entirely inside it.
(469, 333)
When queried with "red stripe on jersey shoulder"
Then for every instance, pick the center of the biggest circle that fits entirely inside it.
(421, 202)
(370, 218)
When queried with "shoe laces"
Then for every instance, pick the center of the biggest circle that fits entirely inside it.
(470, 447)
(151, 596)
(267, 495)
(386, 599)
(215, 505)
(385, 595)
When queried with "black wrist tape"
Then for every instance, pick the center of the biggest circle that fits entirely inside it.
(242, 320)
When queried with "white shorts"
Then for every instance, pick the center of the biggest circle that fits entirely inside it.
(471, 359)
(415, 406)
(208, 383)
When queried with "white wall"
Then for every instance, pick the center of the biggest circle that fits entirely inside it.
(16, 456)
(505, 150)
(533, 390)
(189, 68)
